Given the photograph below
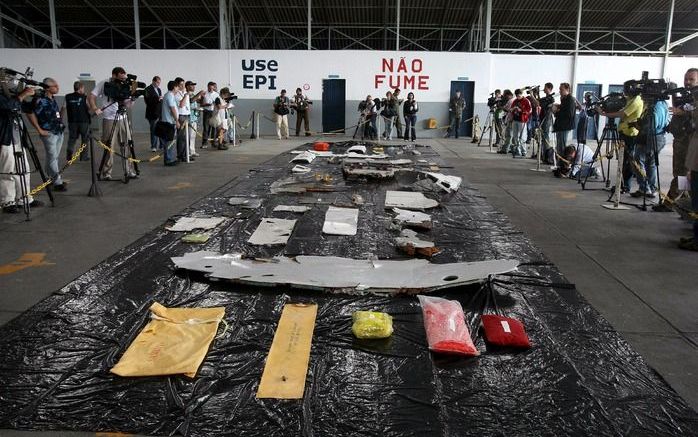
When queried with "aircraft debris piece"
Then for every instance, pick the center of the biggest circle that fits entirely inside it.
(410, 242)
(341, 221)
(306, 157)
(245, 202)
(412, 218)
(185, 224)
(408, 200)
(272, 231)
(291, 208)
(338, 274)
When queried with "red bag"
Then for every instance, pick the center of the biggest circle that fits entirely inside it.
(321, 146)
(444, 322)
(504, 331)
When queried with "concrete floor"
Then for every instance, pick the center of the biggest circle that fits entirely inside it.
(624, 262)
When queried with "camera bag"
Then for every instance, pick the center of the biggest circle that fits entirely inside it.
(165, 130)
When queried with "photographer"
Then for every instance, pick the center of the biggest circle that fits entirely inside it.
(301, 104)
(577, 161)
(533, 120)
(209, 110)
(679, 127)
(521, 111)
(184, 110)
(194, 101)
(396, 108)
(281, 109)
(11, 149)
(508, 98)
(692, 167)
(495, 104)
(410, 109)
(109, 118)
(169, 116)
(628, 130)
(223, 104)
(369, 112)
(389, 114)
(456, 106)
(153, 107)
(564, 118)
(646, 174)
(48, 122)
(78, 119)
(546, 116)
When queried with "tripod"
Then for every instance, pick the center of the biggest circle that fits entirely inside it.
(21, 168)
(651, 145)
(610, 138)
(488, 127)
(126, 148)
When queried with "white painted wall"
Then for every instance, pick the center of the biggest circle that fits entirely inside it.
(298, 68)
(360, 68)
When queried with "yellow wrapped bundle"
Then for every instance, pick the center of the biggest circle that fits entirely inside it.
(371, 324)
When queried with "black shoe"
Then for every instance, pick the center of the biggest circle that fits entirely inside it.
(661, 208)
(222, 147)
(62, 187)
(307, 134)
(171, 163)
(36, 203)
(10, 209)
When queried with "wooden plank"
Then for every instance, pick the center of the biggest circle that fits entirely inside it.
(287, 363)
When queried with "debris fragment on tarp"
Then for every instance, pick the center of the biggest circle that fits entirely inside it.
(371, 325)
(334, 273)
(306, 157)
(174, 342)
(291, 208)
(414, 219)
(196, 238)
(408, 200)
(272, 231)
(410, 242)
(340, 221)
(184, 224)
(245, 202)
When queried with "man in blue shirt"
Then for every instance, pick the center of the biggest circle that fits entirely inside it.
(47, 119)
(645, 150)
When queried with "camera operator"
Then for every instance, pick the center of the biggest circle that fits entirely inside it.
(389, 114)
(578, 161)
(521, 111)
(533, 120)
(546, 116)
(301, 104)
(184, 110)
(692, 167)
(109, 117)
(78, 119)
(396, 108)
(223, 104)
(48, 122)
(644, 151)
(153, 107)
(628, 130)
(564, 118)
(410, 109)
(495, 103)
(194, 102)
(369, 112)
(10, 143)
(281, 109)
(209, 110)
(456, 106)
(679, 128)
(507, 97)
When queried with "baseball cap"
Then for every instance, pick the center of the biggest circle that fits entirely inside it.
(187, 83)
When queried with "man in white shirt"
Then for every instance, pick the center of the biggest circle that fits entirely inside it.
(113, 124)
(580, 162)
(184, 110)
(207, 104)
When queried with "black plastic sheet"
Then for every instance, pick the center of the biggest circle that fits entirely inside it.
(579, 378)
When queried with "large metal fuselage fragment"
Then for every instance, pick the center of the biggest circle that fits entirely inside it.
(333, 273)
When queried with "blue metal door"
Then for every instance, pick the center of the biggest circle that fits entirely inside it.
(467, 91)
(333, 99)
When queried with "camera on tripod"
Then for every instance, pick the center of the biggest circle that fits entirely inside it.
(650, 89)
(533, 90)
(14, 82)
(680, 97)
(121, 90)
(547, 101)
(613, 102)
(495, 102)
(683, 98)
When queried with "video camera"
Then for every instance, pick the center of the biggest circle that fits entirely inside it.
(650, 89)
(494, 102)
(230, 97)
(547, 101)
(681, 97)
(120, 90)
(14, 82)
(613, 102)
(533, 90)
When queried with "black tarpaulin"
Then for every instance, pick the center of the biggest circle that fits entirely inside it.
(579, 378)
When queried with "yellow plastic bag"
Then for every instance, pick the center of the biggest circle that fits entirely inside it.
(371, 324)
(174, 342)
